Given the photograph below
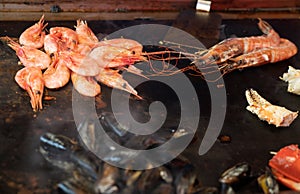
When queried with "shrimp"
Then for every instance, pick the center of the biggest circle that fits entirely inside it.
(111, 56)
(277, 115)
(232, 47)
(83, 49)
(51, 44)
(34, 35)
(285, 50)
(85, 85)
(85, 34)
(29, 56)
(31, 80)
(68, 37)
(82, 64)
(112, 78)
(57, 74)
(129, 44)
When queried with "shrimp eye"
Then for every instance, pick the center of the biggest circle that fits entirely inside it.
(37, 92)
(215, 57)
(133, 52)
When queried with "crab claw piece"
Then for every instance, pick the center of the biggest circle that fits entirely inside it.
(276, 115)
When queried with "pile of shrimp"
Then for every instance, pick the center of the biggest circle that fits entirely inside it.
(51, 60)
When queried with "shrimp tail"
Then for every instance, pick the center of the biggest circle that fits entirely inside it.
(11, 43)
(16, 47)
(41, 23)
(35, 99)
(264, 26)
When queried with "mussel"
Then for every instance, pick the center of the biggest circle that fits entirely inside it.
(88, 174)
(107, 181)
(234, 177)
(268, 183)
(235, 174)
(68, 155)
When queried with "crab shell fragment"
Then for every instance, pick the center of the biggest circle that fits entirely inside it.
(293, 79)
(286, 166)
(273, 114)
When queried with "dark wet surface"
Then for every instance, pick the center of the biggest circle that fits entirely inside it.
(23, 169)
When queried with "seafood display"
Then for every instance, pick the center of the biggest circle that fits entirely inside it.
(77, 55)
(293, 78)
(276, 115)
(285, 165)
(53, 57)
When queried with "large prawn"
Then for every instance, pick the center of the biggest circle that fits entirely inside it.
(232, 53)
(239, 53)
(232, 47)
(284, 50)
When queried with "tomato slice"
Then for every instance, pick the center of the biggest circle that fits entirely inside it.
(287, 162)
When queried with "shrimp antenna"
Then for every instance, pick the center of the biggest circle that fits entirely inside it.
(183, 45)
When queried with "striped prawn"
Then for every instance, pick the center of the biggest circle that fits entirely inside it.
(234, 53)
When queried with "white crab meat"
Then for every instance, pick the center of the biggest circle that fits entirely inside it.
(276, 115)
(293, 79)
